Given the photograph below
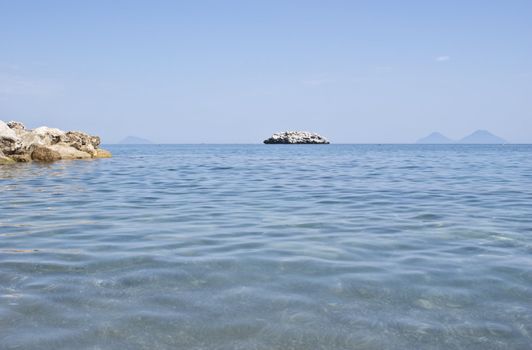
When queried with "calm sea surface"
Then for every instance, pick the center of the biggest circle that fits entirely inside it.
(269, 247)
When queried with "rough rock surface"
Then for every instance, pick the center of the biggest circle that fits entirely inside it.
(9, 140)
(44, 144)
(16, 125)
(296, 137)
(45, 154)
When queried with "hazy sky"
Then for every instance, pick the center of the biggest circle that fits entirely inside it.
(237, 71)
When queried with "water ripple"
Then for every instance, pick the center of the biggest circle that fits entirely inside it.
(269, 247)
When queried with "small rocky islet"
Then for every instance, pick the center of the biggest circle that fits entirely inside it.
(44, 144)
(296, 137)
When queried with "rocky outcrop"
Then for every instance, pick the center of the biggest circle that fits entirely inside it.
(296, 137)
(44, 144)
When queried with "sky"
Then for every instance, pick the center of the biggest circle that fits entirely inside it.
(238, 71)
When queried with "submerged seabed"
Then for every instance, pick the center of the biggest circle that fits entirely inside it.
(269, 247)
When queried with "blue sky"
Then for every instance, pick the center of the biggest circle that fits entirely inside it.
(237, 71)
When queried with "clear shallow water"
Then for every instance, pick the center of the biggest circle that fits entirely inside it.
(269, 247)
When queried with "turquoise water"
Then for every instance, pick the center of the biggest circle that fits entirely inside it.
(269, 247)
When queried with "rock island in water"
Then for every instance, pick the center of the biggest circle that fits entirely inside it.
(296, 137)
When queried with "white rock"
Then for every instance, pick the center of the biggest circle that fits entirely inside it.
(7, 133)
(44, 130)
(9, 141)
(296, 137)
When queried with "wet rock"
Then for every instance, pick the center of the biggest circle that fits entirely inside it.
(4, 159)
(45, 144)
(296, 137)
(21, 157)
(102, 153)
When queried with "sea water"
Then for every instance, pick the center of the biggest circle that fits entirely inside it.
(269, 247)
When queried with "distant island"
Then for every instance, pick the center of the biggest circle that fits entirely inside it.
(296, 137)
(482, 136)
(134, 140)
(435, 138)
(477, 137)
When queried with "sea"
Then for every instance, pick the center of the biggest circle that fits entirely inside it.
(269, 247)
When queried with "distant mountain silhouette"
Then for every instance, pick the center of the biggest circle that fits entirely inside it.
(133, 140)
(482, 136)
(435, 137)
(477, 137)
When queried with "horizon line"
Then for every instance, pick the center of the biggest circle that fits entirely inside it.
(332, 143)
